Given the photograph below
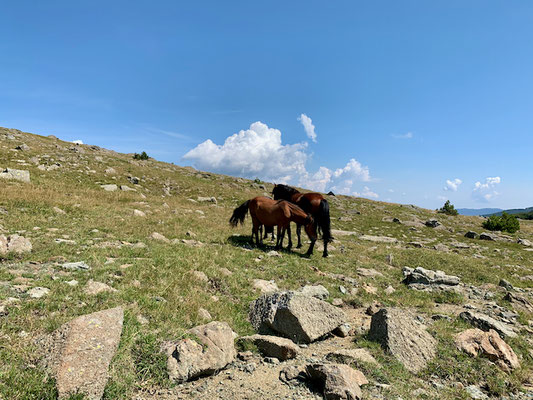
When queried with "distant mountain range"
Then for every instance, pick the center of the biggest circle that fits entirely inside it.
(493, 211)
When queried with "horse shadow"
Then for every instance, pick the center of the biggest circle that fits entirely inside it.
(245, 242)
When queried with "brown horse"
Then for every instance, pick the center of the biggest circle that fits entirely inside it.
(268, 212)
(312, 203)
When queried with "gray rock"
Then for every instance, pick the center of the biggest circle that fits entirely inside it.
(351, 356)
(487, 236)
(476, 393)
(420, 278)
(294, 315)
(207, 200)
(524, 242)
(77, 266)
(432, 223)
(38, 292)
(211, 352)
(471, 234)
(79, 352)
(378, 239)
(396, 330)
(265, 286)
(340, 382)
(14, 244)
(93, 288)
(15, 174)
(109, 188)
(519, 301)
(273, 346)
(343, 330)
(318, 291)
(133, 180)
(506, 284)
(486, 323)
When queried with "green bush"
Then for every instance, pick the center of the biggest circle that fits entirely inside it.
(505, 223)
(448, 208)
(142, 156)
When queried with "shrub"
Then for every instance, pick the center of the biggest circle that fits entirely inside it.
(258, 181)
(448, 208)
(142, 156)
(505, 223)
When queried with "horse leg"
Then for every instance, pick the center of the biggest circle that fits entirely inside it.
(311, 246)
(325, 253)
(289, 235)
(279, 241)
(299, 234)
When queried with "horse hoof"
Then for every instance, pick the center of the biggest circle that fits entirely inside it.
(299, 246)
(325, 255)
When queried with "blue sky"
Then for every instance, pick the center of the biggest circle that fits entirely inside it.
(403, 95)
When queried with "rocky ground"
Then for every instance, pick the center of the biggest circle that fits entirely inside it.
(121, 278)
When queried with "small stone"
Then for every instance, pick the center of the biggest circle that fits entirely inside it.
(139, 213)
(476, 393)
(159, 237)
(110, 187)
(38, 292)
(58, 210)
(506, 284)
(265, 286)
(76, 266)
(200, 276)
(204, 314)
(93, 288)
(73, 282)
(342, 289)
(389, 290)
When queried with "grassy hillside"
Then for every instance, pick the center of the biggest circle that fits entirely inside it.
(69, 217)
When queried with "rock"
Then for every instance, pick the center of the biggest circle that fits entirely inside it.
(340, 381)
(211, 352)
(207, 200)
(342, 289)
(368, 272)
(15, 174)
(519, 301)
(486, 323)
(373, 308)
(389, 290)
(487, 236)
(343, 330)
(524, 242)
(418, 245)
(432, 223)
(72, 282)
(133, 180)
(204, 314)
(273, 346)
(289, 374)
(139, 213)
(350, 356)
(14, 244)
(22, 147)
(110, 171)
(110, 187)
(471, 234)
(395, 329)
(225, 272)
(318, 291)
(38, 292)
(488, 344)
(273, 253)
(200, 276)
(506, 284)
(425, 279)
(58, 210)
(159, 237)
(93, 288)
(378, 239)
(301, 318)
(441, 247)
(126, 188)
(76, 266)
(265, 286)
(79, 352)
(475, 393)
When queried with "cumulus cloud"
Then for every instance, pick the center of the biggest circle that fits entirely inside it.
(408, 135)
(453, 185)
(254, 152)
(367, 193)
(259, 152)
(77, 141)
(486, 191)
(308, 126)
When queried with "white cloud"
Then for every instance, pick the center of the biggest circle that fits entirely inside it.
(308, 126)
(367, 193)
(442, 198)
(255, 152)
(408, 135)
(485, 191)
(453, 185)
(258, 152)
(77, 141)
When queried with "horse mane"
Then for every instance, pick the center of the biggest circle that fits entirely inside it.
(287, 190)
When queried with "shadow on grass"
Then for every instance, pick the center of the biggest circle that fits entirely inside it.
(245, 242)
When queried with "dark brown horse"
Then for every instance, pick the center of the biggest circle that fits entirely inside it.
(268, 212)
(312, 203)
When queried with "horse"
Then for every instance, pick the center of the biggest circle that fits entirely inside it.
(268, 212)
(312, 203)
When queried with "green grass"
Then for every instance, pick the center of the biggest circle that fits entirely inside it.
(164, 271)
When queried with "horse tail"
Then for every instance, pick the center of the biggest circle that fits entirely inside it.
(323, 221)
(239, 214)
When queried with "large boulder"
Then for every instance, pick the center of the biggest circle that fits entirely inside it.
(340, 382)
(519, 301)
(15, 174)
(401, 336)
(79, 352)
(488, 344)
(301, 318)
(14, 244)
(212, 350)
(486, 323)
(273, 346)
